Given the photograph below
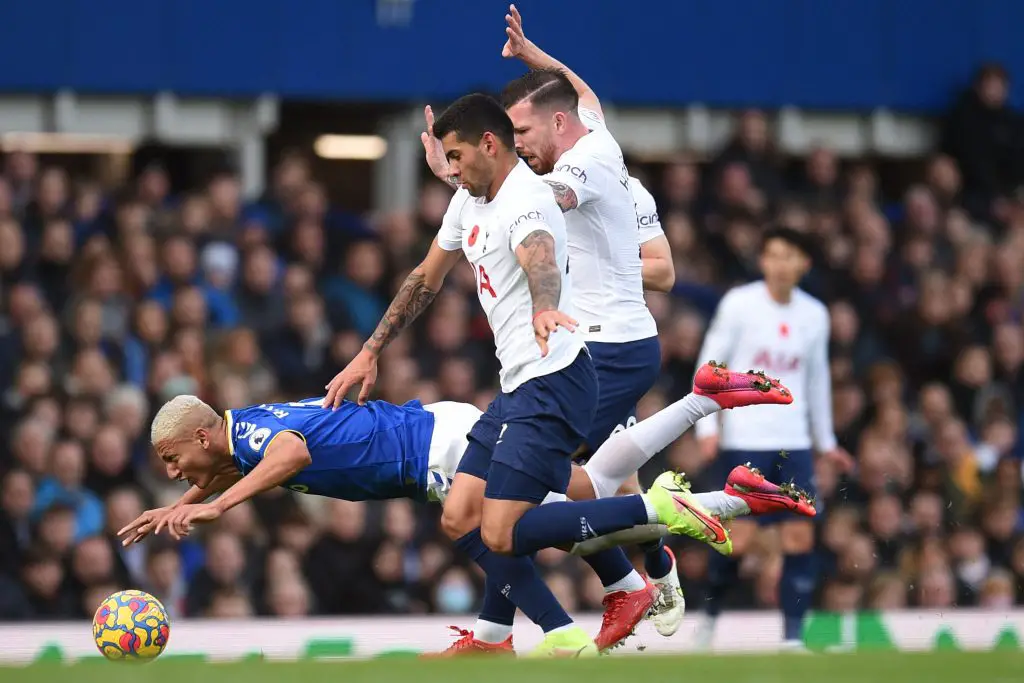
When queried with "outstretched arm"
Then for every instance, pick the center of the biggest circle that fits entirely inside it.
(286, 455)
(415, 294)
(519, 46)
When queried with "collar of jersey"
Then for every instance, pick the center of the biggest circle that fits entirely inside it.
(229, 423)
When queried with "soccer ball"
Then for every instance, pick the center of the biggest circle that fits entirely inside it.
(132, 626)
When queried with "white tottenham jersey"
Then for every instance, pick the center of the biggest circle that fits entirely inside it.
(646, 212)
(489, 232)
(604, 253)
(752, 331)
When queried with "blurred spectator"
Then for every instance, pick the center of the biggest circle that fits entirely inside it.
(111, 302)
(984, 136)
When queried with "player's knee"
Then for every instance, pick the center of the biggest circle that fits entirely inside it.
(796, 537)
(497, 538)
(630, 487)
(456, 524)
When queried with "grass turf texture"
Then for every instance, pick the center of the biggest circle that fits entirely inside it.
(930, 667)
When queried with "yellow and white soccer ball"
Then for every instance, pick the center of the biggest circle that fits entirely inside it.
(131, 626)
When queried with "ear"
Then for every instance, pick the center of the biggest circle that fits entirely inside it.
(489, 144)
(561, 121)
(203, 437)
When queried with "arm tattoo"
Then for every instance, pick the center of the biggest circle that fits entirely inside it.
(565, 196)
(537, 257)
(412, 298)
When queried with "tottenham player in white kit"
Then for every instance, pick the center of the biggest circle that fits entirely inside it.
(583, 164)
(773, 324)
(504, 219)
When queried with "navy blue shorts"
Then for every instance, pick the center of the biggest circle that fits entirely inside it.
(794, 466)
(532, 433)
(625, 372)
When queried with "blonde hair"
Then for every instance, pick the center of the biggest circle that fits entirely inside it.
(179, 416)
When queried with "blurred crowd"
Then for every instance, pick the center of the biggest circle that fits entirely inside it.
(113, 301)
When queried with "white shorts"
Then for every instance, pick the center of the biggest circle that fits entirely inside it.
(452, 422)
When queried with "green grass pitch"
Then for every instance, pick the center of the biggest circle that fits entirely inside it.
(929, 667)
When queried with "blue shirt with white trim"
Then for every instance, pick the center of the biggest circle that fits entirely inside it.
(378, 451)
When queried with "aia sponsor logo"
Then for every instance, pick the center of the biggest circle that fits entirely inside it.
(775, 362)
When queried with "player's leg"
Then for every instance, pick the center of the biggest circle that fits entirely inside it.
(747, 492)
(517, 577)
(799, 571)
(626, 372)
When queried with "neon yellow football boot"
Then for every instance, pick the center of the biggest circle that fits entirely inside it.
(680, 511)
(569, 642)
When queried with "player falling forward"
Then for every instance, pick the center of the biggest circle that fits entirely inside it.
(569, 145)
(775, 325)
(381, 451)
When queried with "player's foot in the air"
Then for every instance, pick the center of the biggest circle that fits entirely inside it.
(668, 610)
(568, 642)
(622, 612)
(468, 646)
(764, 497)
(680, 511)
(731, 389)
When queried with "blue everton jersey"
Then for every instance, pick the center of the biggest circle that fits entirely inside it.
(374, 452)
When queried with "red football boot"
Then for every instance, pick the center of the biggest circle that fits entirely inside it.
(736, 389)
(468, 646)
(764, 497)
(622, 612)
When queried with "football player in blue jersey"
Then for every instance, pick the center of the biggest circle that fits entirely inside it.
(380, 451)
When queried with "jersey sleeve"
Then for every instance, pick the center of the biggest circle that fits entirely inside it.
(591, 119)
(533, 216)
(646, 212)
(449, 237)
(251, 436)
(580, 171)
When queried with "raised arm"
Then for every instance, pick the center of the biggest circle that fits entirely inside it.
(415, 294)
(520, 47)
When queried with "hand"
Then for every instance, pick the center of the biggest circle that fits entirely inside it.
(362, 370)
(516, 43)
(546, 322)
(843, 461)
(180, 522)
(708, 447)
(433, 149)
(142, 525)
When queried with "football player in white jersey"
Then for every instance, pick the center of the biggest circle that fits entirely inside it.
(505, 220)
(581, 161)
(775, 325)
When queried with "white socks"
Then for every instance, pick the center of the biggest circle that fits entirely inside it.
(629, 583)
(625, 452)
(489, 632)
(722, 504)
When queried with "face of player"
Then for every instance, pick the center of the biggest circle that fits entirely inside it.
(783, 265)
(536, 132)
(190, 460)
(469, 165)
